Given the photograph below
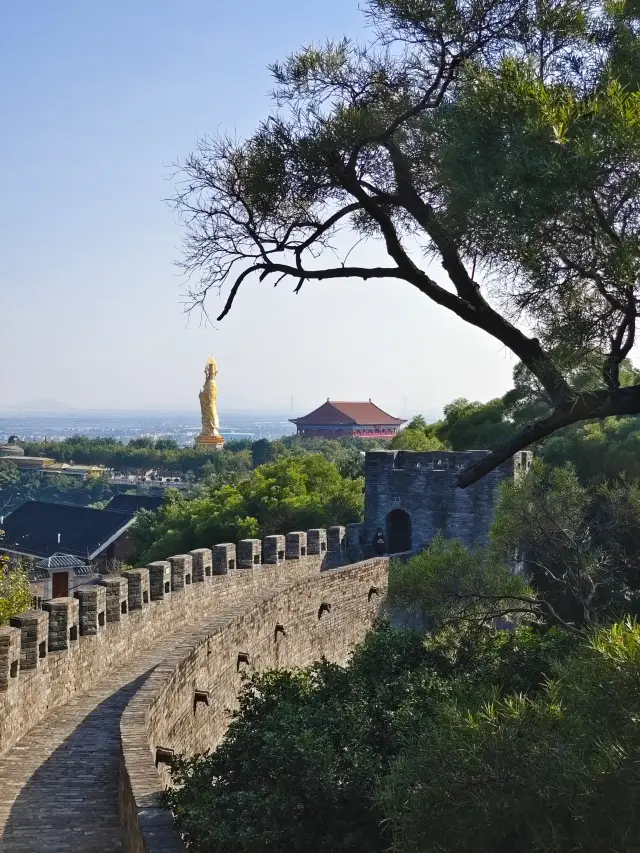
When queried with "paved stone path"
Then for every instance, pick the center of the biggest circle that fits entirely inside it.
(59, 784)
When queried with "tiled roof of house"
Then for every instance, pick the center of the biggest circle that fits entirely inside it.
(43, 528)
(60, 561)
(334, 413)
(134, 503)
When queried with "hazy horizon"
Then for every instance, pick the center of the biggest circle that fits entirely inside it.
(98, 101)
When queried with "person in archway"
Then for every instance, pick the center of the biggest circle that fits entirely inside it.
(379, 545)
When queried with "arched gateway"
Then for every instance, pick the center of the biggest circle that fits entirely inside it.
(398, 531)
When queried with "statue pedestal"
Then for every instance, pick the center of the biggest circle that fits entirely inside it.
(212, 442)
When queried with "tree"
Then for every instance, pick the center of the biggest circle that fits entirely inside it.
(552, 771)
(418, 435)
(308, 751)
(15, 596)
(448, 585)
(9, 480)
(501, 137)
(292, 493)
(581, 543)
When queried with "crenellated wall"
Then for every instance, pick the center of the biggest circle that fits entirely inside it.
(184, 705)
(283, 601)
(48, 656)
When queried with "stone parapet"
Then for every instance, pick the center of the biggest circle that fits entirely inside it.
(224, 558)
(273, 549)
(9, 657)
(138, 594)
(249, 553)
(181, 567)
(336, 538)
(316, 541)
(93, 609)
(201, 561)
(63, 623)
(164, 717)
(159, 580)
(120, 616)
(117, 593)
(34, 635)
(296, 545)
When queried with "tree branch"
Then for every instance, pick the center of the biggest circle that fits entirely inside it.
(597, 404)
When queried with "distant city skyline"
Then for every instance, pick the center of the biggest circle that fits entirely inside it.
(98, 101)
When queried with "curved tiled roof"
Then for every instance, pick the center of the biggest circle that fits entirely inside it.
(337, 413)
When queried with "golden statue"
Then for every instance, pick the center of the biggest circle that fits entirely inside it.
(210, 433)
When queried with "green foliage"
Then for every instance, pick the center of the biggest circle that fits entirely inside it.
(446, 583)
(15, 596)
(556, 771)
(418, 435)
(599, 451)
(139, 455)
(499, 138)
(307, 751)
(292, 493)
(20, 486)
(581, 543)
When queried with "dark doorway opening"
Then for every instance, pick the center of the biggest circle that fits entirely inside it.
(60, 584)
(398, 531)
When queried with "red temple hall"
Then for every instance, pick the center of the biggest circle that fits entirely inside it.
(359, 420)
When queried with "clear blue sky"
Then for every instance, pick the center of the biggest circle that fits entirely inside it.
(98, 99)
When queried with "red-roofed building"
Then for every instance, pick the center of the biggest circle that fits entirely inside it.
(337, 419)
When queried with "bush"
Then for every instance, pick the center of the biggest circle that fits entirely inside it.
(15, 596)
(552, 772)
(448, 583)
(303, 759)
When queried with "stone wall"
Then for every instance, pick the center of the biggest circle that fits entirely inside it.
(424, 485)
(48, 657)
(184, 705)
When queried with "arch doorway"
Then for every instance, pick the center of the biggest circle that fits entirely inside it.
(398, 531)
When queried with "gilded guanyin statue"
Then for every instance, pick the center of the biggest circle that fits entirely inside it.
(210, 433)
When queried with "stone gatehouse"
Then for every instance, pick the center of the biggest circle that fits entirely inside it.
(412, 495)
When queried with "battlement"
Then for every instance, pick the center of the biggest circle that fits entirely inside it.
(47, 656)
(436, 460)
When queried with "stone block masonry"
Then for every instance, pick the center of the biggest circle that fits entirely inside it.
(34, 634)
(117, 619)
(181, 567)
(224, 558)
(138, 586)
(201, 562)
(414, 495)
(117, 594)
(273, 549)
(93, 609)
(277, 627)
(63, 623)
(267, 616)
(9, 657)
(249, 553)
(316, 541)
(160, 580)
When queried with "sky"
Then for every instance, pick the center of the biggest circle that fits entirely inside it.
(98, 101)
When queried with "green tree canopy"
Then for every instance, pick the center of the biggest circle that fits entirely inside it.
(305, 755)
(500, 136)
(292, 493)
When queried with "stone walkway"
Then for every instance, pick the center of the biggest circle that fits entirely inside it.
(59, 784)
